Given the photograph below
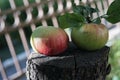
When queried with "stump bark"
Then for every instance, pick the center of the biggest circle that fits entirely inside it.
(73, 64)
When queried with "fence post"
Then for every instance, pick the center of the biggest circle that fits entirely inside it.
(73, 64)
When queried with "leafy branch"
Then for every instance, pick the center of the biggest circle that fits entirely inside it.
(82, 14)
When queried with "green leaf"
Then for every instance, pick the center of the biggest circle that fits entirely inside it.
(70, 20)
(84, 10)
(97, 20)
(113, 12)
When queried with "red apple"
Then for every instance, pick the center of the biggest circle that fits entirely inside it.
(49, 40)
(90, 36)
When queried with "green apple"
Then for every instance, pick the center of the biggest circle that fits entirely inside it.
(90, 36)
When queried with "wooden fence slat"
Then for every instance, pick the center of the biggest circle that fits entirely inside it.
(24, 41)
(13, 53)
(2, 70)
(28, 11)
(60, 6)
(33, 26)
(2, 23)
(54, 21)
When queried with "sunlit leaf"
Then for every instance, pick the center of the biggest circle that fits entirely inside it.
(113, 12)
(70, 20)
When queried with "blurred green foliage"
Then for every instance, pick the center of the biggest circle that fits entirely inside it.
(114, 60)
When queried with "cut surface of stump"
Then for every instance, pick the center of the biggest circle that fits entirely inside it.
(73, 64)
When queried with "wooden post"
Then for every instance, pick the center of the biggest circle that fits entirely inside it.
(73, 64)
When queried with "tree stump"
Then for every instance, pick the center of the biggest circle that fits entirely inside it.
(73, 64)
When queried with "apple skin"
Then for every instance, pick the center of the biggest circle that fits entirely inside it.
(90, 36)
(49, 40)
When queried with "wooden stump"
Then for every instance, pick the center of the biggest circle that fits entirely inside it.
(73, 64)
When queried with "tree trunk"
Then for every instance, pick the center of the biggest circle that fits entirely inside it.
(73, 64)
